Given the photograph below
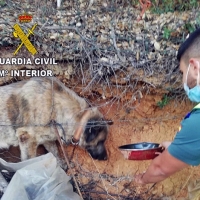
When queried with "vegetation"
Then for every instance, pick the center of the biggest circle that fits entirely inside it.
(166, 33)
(165, 100)
(164, 6)
(173, 5)
(190, 27)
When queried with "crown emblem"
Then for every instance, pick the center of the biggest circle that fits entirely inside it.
(25, 18)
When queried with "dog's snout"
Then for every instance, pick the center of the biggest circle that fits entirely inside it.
(102, 156)
(98, 153)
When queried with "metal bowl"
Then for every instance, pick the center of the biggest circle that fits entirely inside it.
(140, 151)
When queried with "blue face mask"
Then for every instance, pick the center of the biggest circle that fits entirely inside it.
(193, 93)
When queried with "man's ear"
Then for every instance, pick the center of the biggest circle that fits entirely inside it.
(195, 66)
(192, 62)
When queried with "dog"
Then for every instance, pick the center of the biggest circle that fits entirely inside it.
(28, 107)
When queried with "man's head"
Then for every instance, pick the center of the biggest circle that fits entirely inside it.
(189, 55)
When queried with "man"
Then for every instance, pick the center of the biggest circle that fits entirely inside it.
(185, 149)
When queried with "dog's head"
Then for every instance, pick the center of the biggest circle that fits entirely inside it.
(95, 134)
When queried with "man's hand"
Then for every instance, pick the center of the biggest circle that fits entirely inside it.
(160, 168)
(165, 144)
(138, 179)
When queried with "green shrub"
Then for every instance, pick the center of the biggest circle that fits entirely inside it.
(166, 33)
(165, 100)
(165, 6)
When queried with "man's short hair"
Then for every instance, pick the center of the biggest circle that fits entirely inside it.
(190, 48)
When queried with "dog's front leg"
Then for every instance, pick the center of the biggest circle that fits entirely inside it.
(51, 146)
(27, 144)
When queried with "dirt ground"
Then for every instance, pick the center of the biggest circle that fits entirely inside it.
(147, 123)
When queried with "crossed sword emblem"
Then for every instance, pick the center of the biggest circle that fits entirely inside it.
(24, 38)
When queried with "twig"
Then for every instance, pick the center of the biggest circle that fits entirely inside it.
(43, 25)
(88, 56)
(102, 179)
(112, 35)
(66, 159)
(83, 79)
(186, 182)
(105, 193)
(67, 28)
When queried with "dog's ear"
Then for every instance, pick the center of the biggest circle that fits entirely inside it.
(91, 132)
(94, 127)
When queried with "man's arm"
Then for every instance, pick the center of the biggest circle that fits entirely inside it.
(161, 167)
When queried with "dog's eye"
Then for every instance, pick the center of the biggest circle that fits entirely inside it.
(100, 142)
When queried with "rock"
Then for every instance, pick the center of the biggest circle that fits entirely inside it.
(103, 59)
(157, 46)
(71, 35)
(54, 36)
(78, 24)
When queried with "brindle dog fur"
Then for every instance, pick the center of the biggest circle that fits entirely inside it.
(27, 108)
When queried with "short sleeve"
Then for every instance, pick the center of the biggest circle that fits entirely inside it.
(186, 145)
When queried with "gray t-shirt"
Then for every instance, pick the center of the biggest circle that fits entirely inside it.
(186, 144)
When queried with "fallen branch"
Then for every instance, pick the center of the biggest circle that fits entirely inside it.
(66, 159)
(112, 35)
